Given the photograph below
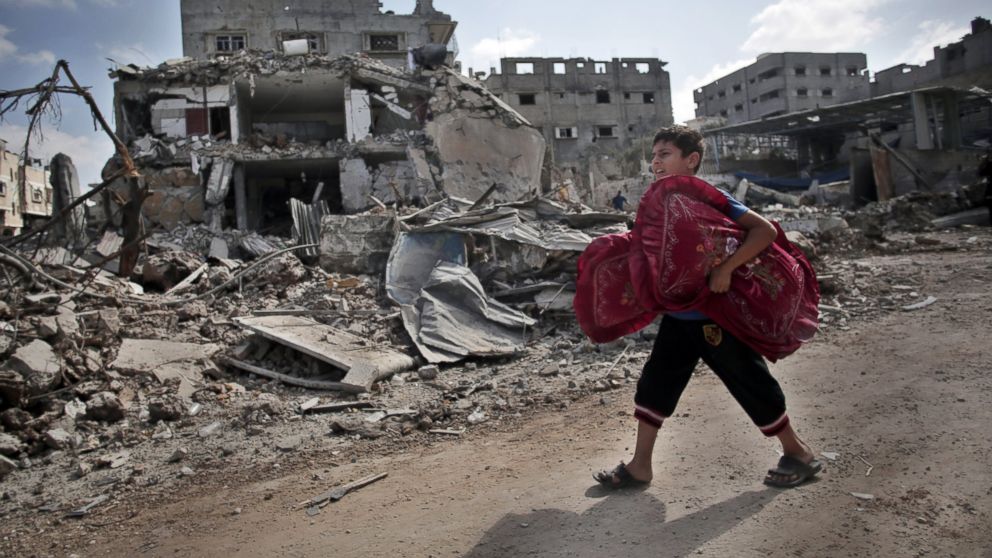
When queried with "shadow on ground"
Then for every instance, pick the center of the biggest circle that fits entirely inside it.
(626, 523)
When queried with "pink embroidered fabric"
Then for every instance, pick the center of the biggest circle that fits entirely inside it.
(681, 233)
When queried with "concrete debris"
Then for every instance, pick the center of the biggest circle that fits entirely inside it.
(38, 366)
(362, 365)
(7, 466)
(167, 361)
(104, 406)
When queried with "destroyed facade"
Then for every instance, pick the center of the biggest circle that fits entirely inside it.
(25, 192)
(580, 103)
(226, 27)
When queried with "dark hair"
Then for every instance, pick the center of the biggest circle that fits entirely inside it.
(688, 141)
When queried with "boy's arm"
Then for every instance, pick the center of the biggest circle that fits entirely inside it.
(760, 235)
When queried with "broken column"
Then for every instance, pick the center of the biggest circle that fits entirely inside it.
(65, 190)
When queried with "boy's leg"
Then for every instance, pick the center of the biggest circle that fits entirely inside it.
(665, 375)
(748, 379)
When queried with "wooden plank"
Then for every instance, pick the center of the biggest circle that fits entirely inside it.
(188, 281)
(882, 170)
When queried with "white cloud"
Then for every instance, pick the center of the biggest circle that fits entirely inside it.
(510, 42)
(814, 25)
(683, 105)
(89, 152)
(932, 33)
(9, 51)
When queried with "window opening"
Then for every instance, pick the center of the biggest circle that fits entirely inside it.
(229, 43)
(525, 68)
(800, 70)
(642, 67)
(649, 98)
(604, 131)
(825, 71)
(559, 68)
(603, 97)
(600, 67)
(527, 99)
(384, 42)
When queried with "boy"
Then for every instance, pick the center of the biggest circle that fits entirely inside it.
(686, 337)
(619, 201)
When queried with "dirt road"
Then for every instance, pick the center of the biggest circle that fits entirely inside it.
(906, 398)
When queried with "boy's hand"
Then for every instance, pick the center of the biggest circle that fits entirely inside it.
(720, 279)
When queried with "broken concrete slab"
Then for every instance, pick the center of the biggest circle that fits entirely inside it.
(7, 466)
(38, 365)
(10, 445)
(979, 217)
(364, 364)
(165, 360)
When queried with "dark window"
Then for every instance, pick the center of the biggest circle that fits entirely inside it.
(737, 88)
(3, 188)
(220, 122)
(852, 71)
(723, 112)
(229, 43)
(603, 97)
(825, 71)
(649, 98)
(800, 70)
(384, 42)
(527, 99)
(738, 108)
(722, 94)
(561, 95)
(565, 133)
(802, 92)
(626, 96)
(828, 92)
(604, 131)
(37, 195)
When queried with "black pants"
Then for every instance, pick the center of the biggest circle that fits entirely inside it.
(677, 350)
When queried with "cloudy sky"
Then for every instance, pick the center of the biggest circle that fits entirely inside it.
(700, 40)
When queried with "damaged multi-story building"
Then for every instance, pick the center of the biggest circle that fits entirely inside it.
(784, 82)
(243, 140)
(225, 27)
(581, 103)
(25, 192)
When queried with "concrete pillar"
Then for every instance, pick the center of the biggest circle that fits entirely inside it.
(952, 121)
(921, 123)
(240, 197)
(356, 185)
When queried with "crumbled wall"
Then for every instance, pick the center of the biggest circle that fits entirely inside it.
(356, 243)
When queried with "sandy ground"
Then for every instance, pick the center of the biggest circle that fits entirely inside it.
(905, 401)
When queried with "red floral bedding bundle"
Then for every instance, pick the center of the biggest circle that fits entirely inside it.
(681, 233)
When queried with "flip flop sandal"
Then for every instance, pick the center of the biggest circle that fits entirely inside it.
(623, 476)
(798, 472)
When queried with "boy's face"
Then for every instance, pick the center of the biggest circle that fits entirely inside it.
(668, 160)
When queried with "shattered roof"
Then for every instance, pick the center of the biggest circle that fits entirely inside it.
(251, 62)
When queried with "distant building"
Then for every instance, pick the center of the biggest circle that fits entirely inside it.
(966, 63)
(579, 103)
(785, 82)
(18, 207)
(336, 27)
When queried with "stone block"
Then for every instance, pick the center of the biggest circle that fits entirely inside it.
(38, 365)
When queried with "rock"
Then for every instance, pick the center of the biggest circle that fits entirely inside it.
(428, 372)
(10, 445)
(209, 430)
(477, 417)
(47, 327)
(186, 472)
(168, 408)
(75, 408)
(4, 310)
(59, 439)
(803, 243)
(178, 455)
(6, 467)
(290, 443)
(80, 469)
(105, 406)
(38, 365)
(15, 420)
